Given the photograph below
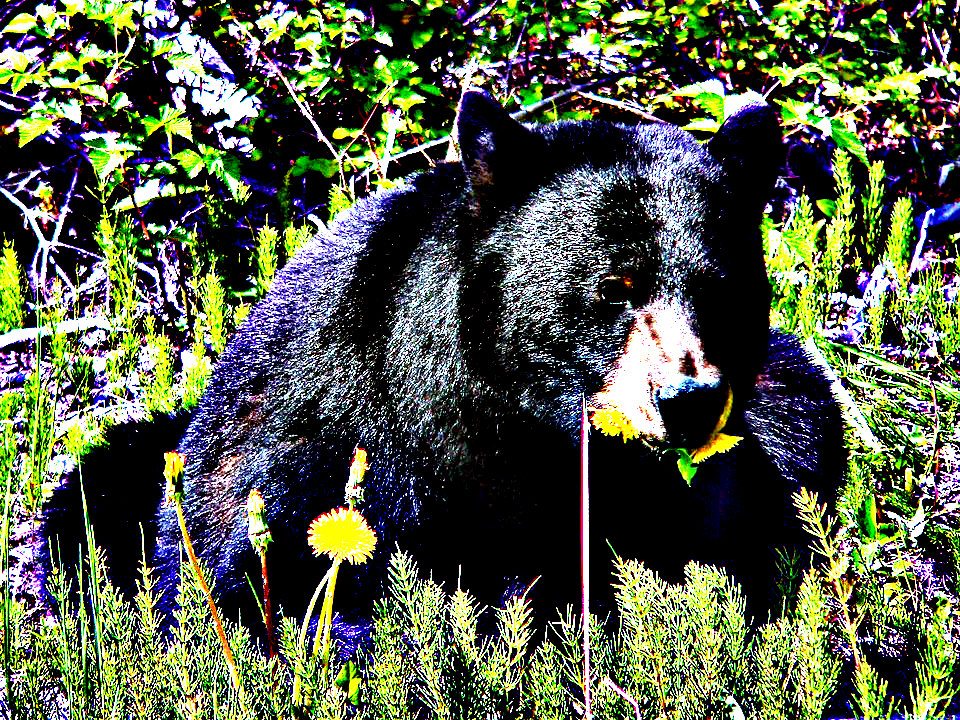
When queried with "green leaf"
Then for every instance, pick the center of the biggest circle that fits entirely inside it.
(123, 20)
(629, 16)
(22, 23)
(47, 13)
(104, 162)
(787, 76)
(792, 111)
(189, 161)
(906, 83)
(344, 133)
(71, 111)
(421, 37)
(868, 516)
(162, 47)
(185, 61)
(827, 207)
(848, 140)
(349, 681)
(705, 124)
(119, 101)
(31, 128)
(181, 126)
(17, 60)
(151, 124)
(685, 466)
(64, 61)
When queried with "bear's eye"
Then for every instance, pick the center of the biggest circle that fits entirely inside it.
(615, 290)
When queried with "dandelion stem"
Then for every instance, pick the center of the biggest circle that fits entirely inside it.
(585, 552)
(297, 683)
(227, 653)
(325, 623)
(267, 609)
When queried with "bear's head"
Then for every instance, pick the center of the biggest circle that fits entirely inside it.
(620, 263)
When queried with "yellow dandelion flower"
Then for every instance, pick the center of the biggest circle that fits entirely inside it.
(342, 534)
(718, 443)
(611, 421)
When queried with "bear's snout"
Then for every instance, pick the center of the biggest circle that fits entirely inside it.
(691, 409)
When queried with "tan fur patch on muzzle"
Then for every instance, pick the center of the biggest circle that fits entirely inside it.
(661, 350)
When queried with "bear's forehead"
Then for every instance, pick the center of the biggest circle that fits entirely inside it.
(629, 199)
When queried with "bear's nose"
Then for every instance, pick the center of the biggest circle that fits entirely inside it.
(691, 410)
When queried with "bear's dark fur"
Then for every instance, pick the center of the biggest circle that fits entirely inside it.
(451, 328)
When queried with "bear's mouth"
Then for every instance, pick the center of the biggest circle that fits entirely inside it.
(694, 429)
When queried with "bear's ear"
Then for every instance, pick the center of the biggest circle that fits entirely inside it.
(749, 146)
(497, 152)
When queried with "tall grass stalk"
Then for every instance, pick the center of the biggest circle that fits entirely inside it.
(7, 454)
(40, 432)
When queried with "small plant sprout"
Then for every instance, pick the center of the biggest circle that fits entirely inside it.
(259, 534)
(341, 534)
(612, 421)
(173, 471)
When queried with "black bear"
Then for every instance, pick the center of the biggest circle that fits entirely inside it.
(452, 328)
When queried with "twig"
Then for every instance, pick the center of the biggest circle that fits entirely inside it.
(629, 107)
(918, 251)
(563, 94)
(304, 110)
(66, 327)
(36, 231)
(518, 115)
(624, 694)
(64, 211)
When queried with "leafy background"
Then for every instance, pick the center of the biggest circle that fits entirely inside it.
(161, 160)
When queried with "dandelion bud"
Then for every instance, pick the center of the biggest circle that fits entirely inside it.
(358, 468)
(257, 530)
(173, 472)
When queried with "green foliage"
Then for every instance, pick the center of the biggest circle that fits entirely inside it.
(159, 395)
(40, 429)
(294, 238)
(936, 684)
(11, 291)
(267, 240)
(872, 204)
(117, 243)
(898, 242)
(195, 376)
(213, 302)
